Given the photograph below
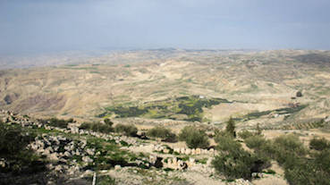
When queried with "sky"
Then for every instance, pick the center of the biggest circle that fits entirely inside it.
(61, 25)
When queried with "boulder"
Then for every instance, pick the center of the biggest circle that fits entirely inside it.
(53, 157)
(87, 159)
(188, 151)
(90, 151)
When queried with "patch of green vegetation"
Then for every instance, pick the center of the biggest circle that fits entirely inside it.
(233, 161)
(301, 166)
(105, 180)
(202, 161)
(191, 106)
(110, 154)
(129, 130)
(287, 110)
(194, 137)
(269, 171)
(98, 127)
(71, 65)
(163, 133)
(55, 122)
(19, 159)
(270, 84)
(319, 144)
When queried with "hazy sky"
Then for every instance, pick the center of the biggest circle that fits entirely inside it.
(49, 25)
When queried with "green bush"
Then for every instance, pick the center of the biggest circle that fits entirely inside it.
(245, 134)
(194, 138)
(226, 142)
(13, 139)
(230, 128)
(108, 122)
(234, 162)
(234, 166)
(62, 123)
(319, 144)
(97, 127)
(287, 146)
(290, 153)
(306, 172)
(161, 132)
(255, 142)
(85, 126)
(13, 148)
(129, 130)
(105, 180)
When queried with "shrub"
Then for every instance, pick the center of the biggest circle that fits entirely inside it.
(319, 144)
(290, 154)
(255, 142)
(97, 127)
(62, 123)
(234, 166)
(288, 144)
(299, 94)
(234, 162)
(230, 128)
(13, 148)
(194, 138)
(108, 122)
(322, 160)
(226, 142)
(13, 139)
(161, 132)
(245, 134)
(258, 129)
(85, 126)
(306, 172)
(129, 130)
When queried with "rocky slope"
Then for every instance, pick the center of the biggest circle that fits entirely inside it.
(73, 156)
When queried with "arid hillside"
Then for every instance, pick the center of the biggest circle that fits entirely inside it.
(266, 87)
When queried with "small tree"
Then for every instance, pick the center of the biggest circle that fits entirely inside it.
(230, 128)
(233, 161)
(319, 144)
(244, 134)
(194, 138)
(299, 94)
(259, 131)
(162, 132)
(129, 130)
(108, 122)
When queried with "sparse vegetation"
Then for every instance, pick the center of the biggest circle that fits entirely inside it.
(194, 137)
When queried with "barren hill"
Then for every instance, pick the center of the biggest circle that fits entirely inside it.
(261, 86)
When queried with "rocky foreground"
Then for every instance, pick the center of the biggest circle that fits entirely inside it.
(74, 156)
